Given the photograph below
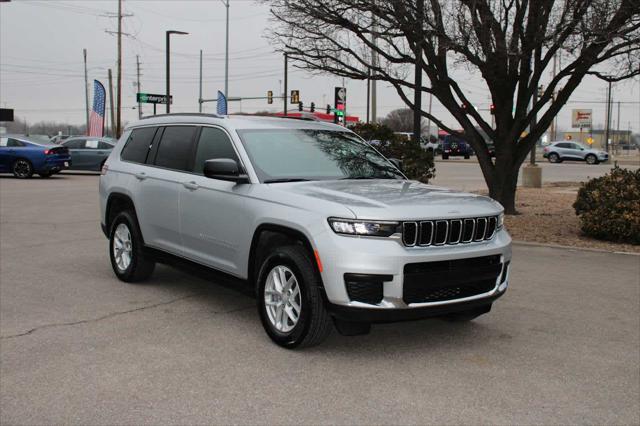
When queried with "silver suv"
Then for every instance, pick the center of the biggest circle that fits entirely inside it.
(324, 228)
(557, 152)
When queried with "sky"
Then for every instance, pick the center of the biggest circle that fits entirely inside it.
(42, 74)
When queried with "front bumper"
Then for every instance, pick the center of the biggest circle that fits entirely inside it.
(344, 255)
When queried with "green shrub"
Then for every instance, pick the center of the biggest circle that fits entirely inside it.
(417, 164)
(609, 206)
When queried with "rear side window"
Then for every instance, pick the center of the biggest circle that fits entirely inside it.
(213, 143)
(563, 145)
(175, 148)
(75, 144)
(104, 145)
(137, 145)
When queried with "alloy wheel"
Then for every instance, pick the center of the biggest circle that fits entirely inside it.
(282, 298)
(22, 168)
(122, 247)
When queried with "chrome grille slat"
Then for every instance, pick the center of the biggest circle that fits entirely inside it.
(441, 232)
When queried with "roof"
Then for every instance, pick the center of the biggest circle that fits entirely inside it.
(235, 121)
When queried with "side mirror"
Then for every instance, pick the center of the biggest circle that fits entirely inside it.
(396, 162)
(224, 169)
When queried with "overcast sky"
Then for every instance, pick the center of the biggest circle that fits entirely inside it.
(41, 68)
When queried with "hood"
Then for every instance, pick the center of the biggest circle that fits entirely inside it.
(387, 199)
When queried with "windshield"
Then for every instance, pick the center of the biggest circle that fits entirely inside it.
(309, 154)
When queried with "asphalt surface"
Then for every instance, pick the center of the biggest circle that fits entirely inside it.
(80, 347)
(466, 175)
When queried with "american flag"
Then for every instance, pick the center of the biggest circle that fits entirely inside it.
(222, 104)
(96, 119)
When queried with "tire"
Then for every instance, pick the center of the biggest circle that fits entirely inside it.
(125, 232)
(22, 169)
(591, 159)
(554, 158)
(445, 156)
(313, 323)
(45, 175)
(466, 316)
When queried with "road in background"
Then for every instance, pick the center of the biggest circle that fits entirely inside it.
(80, 347)
(466, 175)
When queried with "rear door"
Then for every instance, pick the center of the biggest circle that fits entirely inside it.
(169, 159)
(213, 217)
(78, 152)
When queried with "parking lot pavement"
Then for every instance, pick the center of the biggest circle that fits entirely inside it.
(466, 175)
(80, 347)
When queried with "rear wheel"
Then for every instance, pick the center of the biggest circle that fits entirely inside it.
(591, 159)
(126, 249)
(22, 169)
(554, 158)
(289, 299)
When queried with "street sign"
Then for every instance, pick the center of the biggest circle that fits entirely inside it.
(6, 114)
(590, 140)
(295, 96)
(148, 98)
(581, 118)
(340, 103)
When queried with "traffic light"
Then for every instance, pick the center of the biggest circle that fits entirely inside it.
(313, 107)
(270, 97)
(492, 109)
(340, 110)
(328, 109)
(300, 106)
(295, 96)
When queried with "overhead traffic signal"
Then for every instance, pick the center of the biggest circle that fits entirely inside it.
(492, 109)
(313, 107)
(300, 106)
(328, 109)
(295, 96)
(270, 97)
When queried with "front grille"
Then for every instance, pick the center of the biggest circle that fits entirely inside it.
(450, 279)
(448, 231)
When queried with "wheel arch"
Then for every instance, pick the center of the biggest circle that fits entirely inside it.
(116, 203)
(269, 235)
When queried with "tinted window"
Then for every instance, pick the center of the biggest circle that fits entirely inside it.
(14, 143)
(75, 144)
(563, 145)
(213, 143)
(104, 145)
(175, 147)
(137, 145)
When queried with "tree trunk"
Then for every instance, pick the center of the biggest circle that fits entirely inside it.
(502, 187)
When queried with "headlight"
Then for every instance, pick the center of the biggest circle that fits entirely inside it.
(500, 220)
(363, 227)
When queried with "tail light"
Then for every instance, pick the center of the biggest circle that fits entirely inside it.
(104, 169)
(48, 152)
(546, 149)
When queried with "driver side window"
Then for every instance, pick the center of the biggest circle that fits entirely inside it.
(213, 144)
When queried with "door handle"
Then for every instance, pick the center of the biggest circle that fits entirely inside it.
(141, 176)
(191, 185)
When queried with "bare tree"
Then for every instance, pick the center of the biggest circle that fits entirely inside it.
(510, 44)
(401, 120)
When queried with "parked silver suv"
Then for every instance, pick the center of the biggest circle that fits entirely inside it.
(324, 228)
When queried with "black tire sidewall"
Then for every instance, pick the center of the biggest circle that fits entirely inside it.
(13, 167)
(554, 158)
(129, 220)
(595, 159)
(305, 278)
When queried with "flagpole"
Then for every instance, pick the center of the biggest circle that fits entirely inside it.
(86, 90)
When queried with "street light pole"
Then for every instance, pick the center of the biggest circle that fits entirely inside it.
(168, 67)
(226, 55)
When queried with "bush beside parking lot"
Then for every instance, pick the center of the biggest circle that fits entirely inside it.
(609, 206)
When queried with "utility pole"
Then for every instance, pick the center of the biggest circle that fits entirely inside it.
(168, 74)
(226, 55)
(368, 93)
(417, 91)
(618, 129)
(119, 98)
(113, 123)
(139, 89)
(86, 90)
(608, 119)
(284, 97)
(200, 90)
(534, 120)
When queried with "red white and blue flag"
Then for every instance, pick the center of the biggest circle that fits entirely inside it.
(222, 104)
(96, 119)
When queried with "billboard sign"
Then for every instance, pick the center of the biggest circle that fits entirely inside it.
(581, 118)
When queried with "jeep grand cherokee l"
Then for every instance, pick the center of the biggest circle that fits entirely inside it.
(326, 229)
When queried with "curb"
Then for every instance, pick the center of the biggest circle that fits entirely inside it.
(558, 246)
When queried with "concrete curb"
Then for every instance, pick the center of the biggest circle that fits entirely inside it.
(558, 246)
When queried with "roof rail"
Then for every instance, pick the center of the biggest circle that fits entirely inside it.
(183, 114)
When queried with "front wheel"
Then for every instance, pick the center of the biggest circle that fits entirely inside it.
(22, 169)
(125, 249)
(289, 299)
(591, 159)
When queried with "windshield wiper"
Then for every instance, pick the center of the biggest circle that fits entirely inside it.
(282, 180)
(362, 177)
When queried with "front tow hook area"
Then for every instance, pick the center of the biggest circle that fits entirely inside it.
(351, 328)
